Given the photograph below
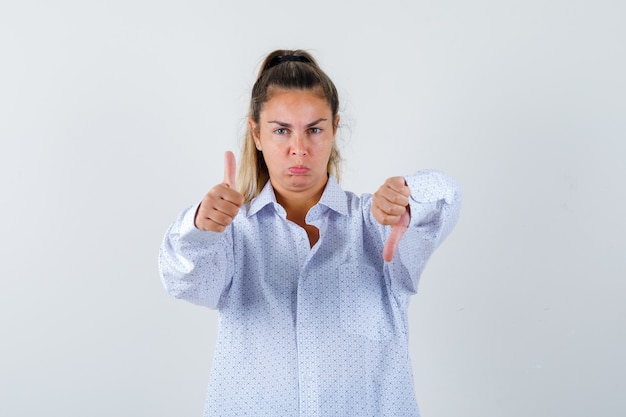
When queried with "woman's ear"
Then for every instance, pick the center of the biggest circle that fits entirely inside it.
(336, 124)
(254, 128)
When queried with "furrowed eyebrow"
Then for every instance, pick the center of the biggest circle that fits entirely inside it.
(316, 122)
(283, 124)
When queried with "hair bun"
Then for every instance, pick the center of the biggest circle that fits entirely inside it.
(279, 59)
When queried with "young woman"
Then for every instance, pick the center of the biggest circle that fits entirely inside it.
(311, 294)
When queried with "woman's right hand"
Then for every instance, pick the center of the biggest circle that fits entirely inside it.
(221, 204)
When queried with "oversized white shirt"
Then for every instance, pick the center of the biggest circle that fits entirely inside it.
(304, 331)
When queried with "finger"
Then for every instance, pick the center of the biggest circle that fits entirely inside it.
(219, 218)
(397, 231)
(399, 185)
(219, 212)
(384, 217)
(387, 197)
(230, 169)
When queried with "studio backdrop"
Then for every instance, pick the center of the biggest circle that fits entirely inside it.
(114, 116)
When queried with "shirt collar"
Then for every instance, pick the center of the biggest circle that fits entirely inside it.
(333, 197)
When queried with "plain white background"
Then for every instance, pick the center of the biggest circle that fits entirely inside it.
(114, 116)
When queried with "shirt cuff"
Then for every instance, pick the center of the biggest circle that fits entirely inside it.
(187, 227)
(430, 186)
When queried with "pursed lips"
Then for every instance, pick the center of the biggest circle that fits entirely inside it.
(298, 170)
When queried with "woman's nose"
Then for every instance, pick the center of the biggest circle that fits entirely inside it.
(298, 147)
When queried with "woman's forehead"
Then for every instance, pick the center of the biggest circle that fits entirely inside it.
(295, 103)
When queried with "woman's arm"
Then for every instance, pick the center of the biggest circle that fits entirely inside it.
(434, 202)
(196, 257)
(196, 265)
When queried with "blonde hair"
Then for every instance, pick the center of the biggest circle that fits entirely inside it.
(286, 70)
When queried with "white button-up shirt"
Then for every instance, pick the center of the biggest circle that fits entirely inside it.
(304, 331)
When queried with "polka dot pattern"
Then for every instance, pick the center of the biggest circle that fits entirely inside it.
(304, 331)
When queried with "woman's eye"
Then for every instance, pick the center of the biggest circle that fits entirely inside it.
(280, 131)
(315, 130)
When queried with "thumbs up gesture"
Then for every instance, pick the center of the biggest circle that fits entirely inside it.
(221, 204)
(390, 206)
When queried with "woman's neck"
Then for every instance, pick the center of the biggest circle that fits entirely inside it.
(298, 207)
(298, 203)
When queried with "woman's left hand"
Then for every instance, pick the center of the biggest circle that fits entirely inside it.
(390, 207)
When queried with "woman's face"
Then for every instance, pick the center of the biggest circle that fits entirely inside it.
(296, 132)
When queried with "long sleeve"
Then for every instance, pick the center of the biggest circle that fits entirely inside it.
(196, 265)
(435, 204)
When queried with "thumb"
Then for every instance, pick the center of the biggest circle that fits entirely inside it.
(397, 231)
(230, 169)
